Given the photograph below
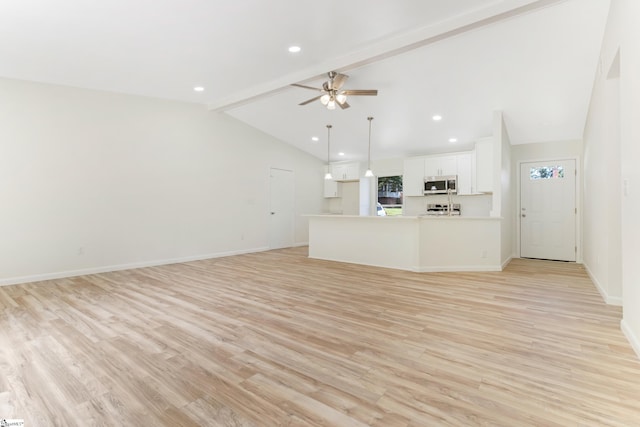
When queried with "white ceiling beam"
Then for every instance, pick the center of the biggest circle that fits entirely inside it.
(388, 47)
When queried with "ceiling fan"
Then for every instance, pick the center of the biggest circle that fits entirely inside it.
(332, 92)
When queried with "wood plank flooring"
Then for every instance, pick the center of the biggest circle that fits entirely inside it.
(277, 339)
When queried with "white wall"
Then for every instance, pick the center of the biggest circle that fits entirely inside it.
(507, 194)
(387, 167)
(602, 185)
(630, 152)
(613, 116)
(95, 181)
(549, 150)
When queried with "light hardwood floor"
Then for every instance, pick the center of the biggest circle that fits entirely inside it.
(275, 338)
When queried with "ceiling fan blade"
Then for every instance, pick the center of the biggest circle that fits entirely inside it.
(309, 101)
(306, 87)
(363, 92)
(343, 105)
(339, 80)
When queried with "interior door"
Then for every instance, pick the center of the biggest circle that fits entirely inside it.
(548, 210)
(281, 213)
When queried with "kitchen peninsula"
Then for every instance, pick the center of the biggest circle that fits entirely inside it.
(480, 239)
(414, 243)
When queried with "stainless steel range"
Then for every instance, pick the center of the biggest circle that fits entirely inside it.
(442, 209)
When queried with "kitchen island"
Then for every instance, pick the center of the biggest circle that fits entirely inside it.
(414, 243)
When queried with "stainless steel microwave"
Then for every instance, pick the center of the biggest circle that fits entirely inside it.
(441, 184)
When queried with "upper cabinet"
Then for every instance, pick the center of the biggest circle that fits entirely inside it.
(346, 171)
(441, 165)
(331, 188)
(413, 177)
(460, 164)
(484, 165)
(341, 172)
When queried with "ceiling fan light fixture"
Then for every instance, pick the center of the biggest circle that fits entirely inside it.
(332, 93)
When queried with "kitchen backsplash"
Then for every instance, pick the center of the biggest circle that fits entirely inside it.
(479, 205)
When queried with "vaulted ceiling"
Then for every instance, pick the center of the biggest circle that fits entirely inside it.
(535, 60)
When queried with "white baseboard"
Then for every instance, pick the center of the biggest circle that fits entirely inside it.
(634, 340)
(605, 296)
(457, 268)
(297, 245)
(119, 267)
(417, 269)
(507, 261)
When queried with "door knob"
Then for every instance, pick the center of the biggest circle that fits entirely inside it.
(273, 213)
(524, 215)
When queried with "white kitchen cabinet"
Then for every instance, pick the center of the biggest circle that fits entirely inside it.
(484, 165)
(346, 171)
(331, 188)
(413, 176)
(465, 177)
(441, 165)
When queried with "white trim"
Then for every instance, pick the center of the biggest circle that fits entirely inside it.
(300, 244)
(416, 269)
(508, 260)
(119, 267)
(633, 339)
(605, 296)
(458, 269)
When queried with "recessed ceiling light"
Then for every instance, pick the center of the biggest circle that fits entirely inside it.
(453, 140)
(437, 117)
(198, 89)
(341, 154)
(294, 49)
(315, 139)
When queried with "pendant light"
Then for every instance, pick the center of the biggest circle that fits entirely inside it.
(369, 172)
(328, 175)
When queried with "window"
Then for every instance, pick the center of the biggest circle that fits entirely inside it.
(390, 194)
(547, 172)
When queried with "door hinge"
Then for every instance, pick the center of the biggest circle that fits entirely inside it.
(576, 210)
(575, 249)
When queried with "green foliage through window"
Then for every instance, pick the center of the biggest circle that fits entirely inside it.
(390, 194)
(547, 172)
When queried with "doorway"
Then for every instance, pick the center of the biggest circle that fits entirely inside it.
(548, 210)
(281, 208)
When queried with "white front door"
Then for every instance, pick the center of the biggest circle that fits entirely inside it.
(281, 213)
(548, 210)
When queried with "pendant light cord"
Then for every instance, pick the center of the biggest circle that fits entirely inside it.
(369, 158)
(328, 144)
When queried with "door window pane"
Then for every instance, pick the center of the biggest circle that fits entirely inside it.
(547, 172)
